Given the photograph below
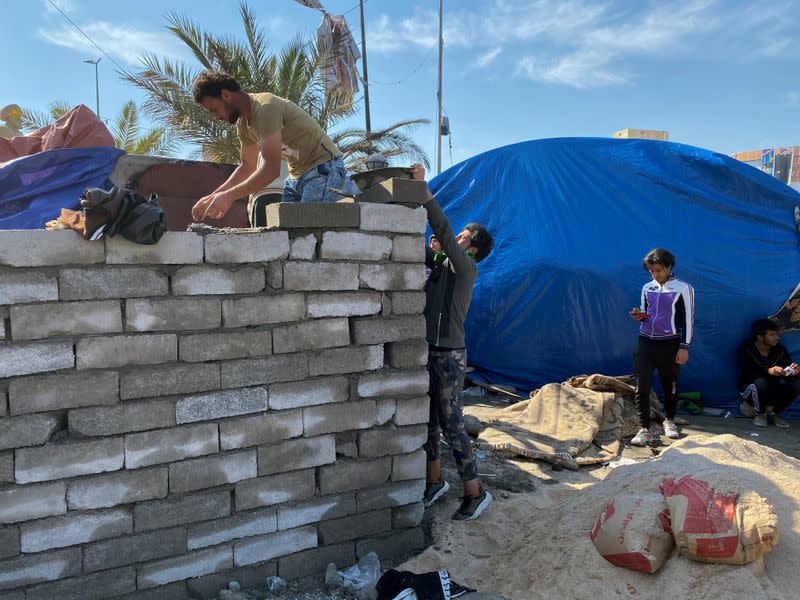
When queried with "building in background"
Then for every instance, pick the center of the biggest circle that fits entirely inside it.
(642, 134)
(782, 163)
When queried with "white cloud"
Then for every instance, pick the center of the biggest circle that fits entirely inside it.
(488, 57)
(588, 43)
(420, 31)
(571, 42)
(120, 41)
(766, 29)
(580, 69)
(596, 53)
(542, 19)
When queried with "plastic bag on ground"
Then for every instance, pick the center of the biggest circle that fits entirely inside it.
(633, 532)
(712, 522)
(364, 574)
(276, 585)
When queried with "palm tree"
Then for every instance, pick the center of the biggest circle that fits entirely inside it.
(293, 73)
(127, 137)
(36, 119)
(125, 129)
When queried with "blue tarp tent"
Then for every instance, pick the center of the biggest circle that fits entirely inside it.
(34, 189)
(572, 219)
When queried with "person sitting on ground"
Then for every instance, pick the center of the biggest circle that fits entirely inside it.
(666, 313)
(269, 128)
(768, 381)
(448, 292)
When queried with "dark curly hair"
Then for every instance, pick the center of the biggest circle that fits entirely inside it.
(481, 239)
(209, 84)
(762, 326)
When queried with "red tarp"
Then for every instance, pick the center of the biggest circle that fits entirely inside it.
(79, 128)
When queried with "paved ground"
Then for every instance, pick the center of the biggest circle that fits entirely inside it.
(785, 440)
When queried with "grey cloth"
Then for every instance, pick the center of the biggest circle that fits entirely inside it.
(449, 286)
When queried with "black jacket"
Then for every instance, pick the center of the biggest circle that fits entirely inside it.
(449, 286)
(753, 365)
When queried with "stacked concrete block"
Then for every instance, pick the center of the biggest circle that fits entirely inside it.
(213, 407)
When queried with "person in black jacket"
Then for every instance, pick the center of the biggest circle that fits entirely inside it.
(448, 294)
(768, 381)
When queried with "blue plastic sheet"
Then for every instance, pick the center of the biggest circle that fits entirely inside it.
(572, 219)
(34, 189)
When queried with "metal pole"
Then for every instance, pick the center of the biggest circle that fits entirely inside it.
(97, 87)
(439, 100)
(96, 83)
(364, 68)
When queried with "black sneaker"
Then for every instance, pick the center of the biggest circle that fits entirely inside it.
(472, 507)
(433, 491)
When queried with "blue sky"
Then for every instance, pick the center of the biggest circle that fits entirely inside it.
(721, 74)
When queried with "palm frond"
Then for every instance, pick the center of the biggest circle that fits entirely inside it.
(34, 119)
(194, 39)
(58, 109)
(392, 140)
(126, 128)
(156, 142)
(256, 44)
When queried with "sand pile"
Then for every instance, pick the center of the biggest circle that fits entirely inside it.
(536, 545)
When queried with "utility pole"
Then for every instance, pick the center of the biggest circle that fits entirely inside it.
(364, 69)
(96, 83)
(439, 100)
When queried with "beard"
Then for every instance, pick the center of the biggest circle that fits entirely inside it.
(233, 114)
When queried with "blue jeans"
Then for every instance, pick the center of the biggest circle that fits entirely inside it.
(314, 185)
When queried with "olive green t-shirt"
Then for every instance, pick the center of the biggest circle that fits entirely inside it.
(305, 143)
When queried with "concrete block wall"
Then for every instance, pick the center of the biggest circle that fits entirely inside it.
(214, 407)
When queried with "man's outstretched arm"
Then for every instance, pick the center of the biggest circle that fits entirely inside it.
(441, 227)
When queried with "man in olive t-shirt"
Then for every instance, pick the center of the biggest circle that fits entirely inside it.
(270, 128)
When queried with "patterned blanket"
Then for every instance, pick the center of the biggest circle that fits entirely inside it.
(579, 422)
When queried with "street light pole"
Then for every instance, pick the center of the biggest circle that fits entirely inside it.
(96, 83)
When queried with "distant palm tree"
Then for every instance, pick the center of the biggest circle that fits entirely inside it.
(127, 137)
(36, 119)
(294, 74)
(125, 129)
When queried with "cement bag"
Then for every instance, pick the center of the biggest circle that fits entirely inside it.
(633, 532)
(714, 523)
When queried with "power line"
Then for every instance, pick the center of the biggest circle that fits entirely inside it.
(418, 67)
(352, 9)
(120, 67)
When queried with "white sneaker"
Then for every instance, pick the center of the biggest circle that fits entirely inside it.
(642, 438)
(670, 429)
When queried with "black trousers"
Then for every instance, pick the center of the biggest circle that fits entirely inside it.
(653, 355)
(778, 394)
